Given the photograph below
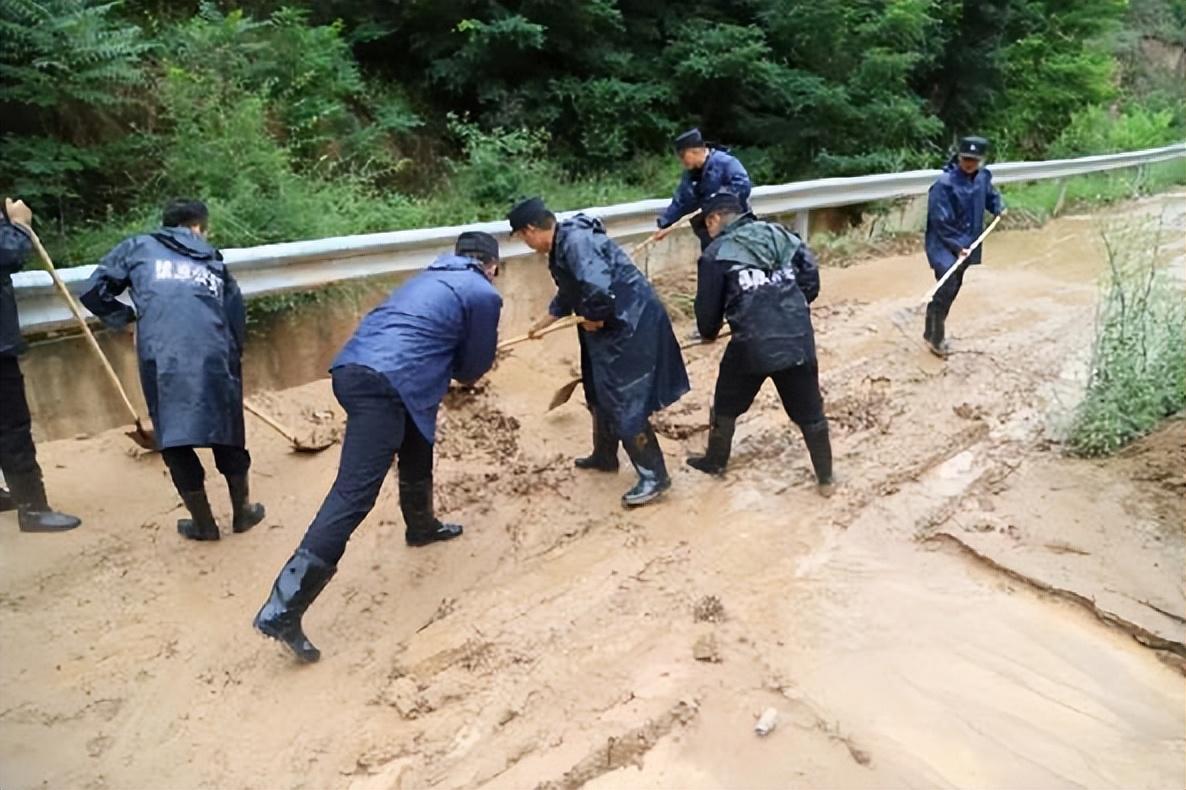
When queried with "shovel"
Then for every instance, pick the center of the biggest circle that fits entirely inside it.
(654, 237)
(140, 435)
(564, 394)
(563, 323)
(959, 262)
(314, 445)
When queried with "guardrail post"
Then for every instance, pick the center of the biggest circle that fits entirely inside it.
(1062, 197)
(801, 224)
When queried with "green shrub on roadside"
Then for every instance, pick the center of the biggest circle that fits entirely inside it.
(1138, 364)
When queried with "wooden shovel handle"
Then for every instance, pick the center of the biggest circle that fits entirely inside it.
(649, 240)
(960, 262)
(86, 329)
(271, 421)
(563, 323)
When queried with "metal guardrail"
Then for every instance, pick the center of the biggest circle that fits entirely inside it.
(273, 268)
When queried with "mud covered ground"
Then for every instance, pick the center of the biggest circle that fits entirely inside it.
(972, 609)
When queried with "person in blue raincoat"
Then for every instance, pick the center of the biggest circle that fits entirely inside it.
(630, 360)
(956, 205)
(18, 454)
(707, 171)
(190, 329)
(390, 377)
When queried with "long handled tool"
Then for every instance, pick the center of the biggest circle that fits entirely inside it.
(314, 445)
(654, 237)
(564, 394)
(141, 435)
(563, 323)
(960, 261)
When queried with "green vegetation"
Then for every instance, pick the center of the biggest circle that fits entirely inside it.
(349, 116)
(1034, 203)
(1138, 364)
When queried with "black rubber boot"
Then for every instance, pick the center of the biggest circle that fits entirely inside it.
(605, 446)
(200, 525)
(246, 513)
(819, 447)
(929, 329)
(33, 511)
(421, 526)
(648, 461)
(7, 503)
(937, 344)
(720, 446)
(301, 580)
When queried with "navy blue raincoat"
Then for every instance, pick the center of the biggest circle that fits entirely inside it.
(14, 248)
(761, 277)
(721, 170)
(632, 366)
(190, 329)
(440, 325)
(955, 214)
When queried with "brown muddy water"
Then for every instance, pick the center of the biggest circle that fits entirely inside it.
(970, 609)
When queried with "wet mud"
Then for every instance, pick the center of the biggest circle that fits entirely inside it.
(970, 609)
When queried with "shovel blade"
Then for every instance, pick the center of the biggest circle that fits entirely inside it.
(564, 394)
(309, 446)
(142, 436)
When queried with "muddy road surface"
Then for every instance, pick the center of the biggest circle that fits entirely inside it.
(971, 609)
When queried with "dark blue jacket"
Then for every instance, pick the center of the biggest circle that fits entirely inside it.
(632, 366)
(14, 248)
(190, 329)
(721, 170)
(442, 324)
(955, 214)
(761, 277)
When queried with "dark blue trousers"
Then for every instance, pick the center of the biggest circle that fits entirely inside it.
(945, 296)
(378, 427)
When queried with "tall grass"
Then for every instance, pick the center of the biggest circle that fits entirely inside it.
(1138, 364)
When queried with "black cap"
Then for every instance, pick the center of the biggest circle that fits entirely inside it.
(689, 139)
(719, 202)
(973, 147)
(477, 244)
(527, 212)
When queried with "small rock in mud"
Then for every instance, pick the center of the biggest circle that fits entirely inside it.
(708, 609)
(966, 411)
(404, 695)
(706, 649)
(861, 756)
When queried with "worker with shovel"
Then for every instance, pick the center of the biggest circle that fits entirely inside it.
(390, 378)
(631, 363)
(707, 170)
(760, 277)
(18, 455)
(955, 218)
(190, 328)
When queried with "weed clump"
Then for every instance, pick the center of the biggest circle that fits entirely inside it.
(1138, 363)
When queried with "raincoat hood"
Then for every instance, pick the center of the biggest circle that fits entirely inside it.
(188, 243)
(758, 245)
(452, 262)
